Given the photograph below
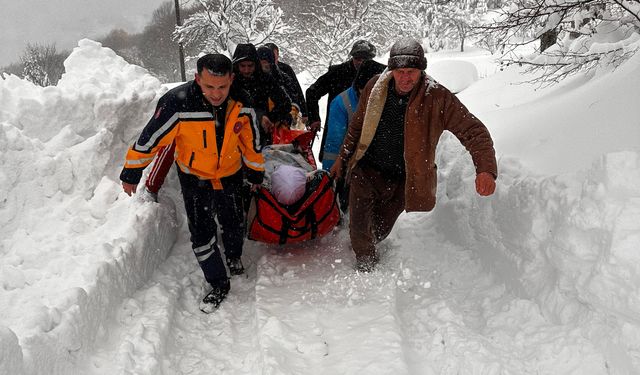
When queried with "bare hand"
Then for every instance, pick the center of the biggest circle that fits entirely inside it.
(267, 125)
(255, 187)
(129, 188)
(485, 184)
(337, 169)
(314, 126)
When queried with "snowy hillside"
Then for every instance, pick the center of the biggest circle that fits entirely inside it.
(541, 278)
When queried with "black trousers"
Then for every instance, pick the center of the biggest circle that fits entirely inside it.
(203, 205)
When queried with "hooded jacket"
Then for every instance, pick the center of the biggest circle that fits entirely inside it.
(432, 109)
(284, 80)
(262, 89)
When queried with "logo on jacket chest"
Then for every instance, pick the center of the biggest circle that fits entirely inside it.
(237, 127)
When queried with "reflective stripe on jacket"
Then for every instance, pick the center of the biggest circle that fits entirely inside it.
(183, 115)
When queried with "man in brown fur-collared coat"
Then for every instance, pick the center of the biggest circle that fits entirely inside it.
(389, 150)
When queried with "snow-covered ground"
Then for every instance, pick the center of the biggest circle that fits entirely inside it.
(541, 278)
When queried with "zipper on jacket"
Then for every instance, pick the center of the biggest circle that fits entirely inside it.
(193, 156)
(204, 137)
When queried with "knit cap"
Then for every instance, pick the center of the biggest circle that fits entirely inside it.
(264, 53)
(363, 49)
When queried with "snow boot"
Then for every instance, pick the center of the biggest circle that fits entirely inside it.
(213, 299)
(366, 264)
(235, 266)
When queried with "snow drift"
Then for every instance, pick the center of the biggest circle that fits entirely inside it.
(71, 248)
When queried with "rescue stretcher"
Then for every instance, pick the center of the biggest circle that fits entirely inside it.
(313, 216)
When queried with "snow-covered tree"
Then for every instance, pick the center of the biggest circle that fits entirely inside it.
(219, 25)
(42, 64)
(326, 32)
(590, 33)
(461, 16)
(446, 23)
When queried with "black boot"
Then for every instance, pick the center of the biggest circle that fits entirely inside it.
(235, 266)
(213, 299)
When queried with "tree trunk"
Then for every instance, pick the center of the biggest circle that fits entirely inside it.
(548, 38)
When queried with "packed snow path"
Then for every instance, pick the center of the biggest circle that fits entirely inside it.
(430, 308)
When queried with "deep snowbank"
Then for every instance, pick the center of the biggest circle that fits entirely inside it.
(568, 241)
(455, 75)
(72, 245)
(562, 128)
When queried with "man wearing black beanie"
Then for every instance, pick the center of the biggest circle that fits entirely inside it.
(268, 66)
(337, 79)
(288, 70)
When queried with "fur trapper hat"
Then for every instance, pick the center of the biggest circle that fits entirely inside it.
(407, 53)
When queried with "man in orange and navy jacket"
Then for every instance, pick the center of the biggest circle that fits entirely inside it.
(215, 134)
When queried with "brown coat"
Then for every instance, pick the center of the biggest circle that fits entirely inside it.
(432, 109)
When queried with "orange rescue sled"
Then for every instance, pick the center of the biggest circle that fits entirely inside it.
(314, 216)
